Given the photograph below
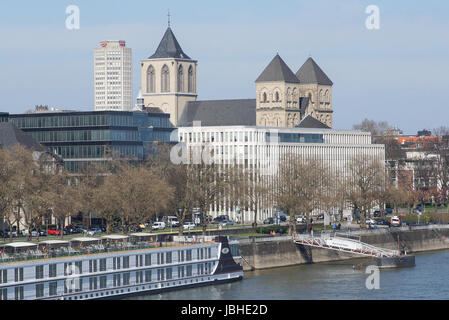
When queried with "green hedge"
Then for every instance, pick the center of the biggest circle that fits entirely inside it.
(275, 228)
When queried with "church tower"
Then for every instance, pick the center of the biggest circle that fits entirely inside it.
(169, 78)
(316, 87)
(277, 96)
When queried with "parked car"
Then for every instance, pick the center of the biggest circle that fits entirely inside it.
(321, 216)
(370, 221)
(283, 218)
(188, 225)
(219, 219)
(227, 223)
(388, 210)
(395, 222)
(301, 219)
(269, 220)
(158, 225)
(383, 222)
(53, 231)
(93, 231)
(418, 209)
(377, 213)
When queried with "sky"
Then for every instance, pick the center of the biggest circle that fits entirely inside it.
(397, 73)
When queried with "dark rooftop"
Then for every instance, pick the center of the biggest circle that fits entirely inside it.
(310, 72)
(240, 112)
(169, 47)
(277, 70)
(10, 135)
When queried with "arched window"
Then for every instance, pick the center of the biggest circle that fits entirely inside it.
(191, 80)
(321, 96)
(151, 79)
(264, 97)
(165, 79)
(276, 96)
(326, 95)
(180, 79)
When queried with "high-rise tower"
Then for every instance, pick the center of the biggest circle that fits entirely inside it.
(112, 76)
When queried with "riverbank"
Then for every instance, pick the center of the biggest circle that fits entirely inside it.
(273, 252)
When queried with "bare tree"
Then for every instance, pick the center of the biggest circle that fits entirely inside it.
(300, 185)
(364, 183)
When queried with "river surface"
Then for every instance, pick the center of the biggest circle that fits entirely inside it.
(429, 279)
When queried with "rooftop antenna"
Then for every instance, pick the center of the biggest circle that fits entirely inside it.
(168, 15)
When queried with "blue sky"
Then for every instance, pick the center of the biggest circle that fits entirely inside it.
(398, 73)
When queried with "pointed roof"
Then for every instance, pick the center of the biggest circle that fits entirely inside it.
(310, 122)
(10, 135)
(310, 72)
(169, 47)
(277, 70)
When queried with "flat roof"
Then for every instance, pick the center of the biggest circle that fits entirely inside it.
(115, 237)
(54, 242)
(143, 234)
(85, 239)
(21, 244)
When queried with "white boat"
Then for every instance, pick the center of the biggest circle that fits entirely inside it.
(113, 266)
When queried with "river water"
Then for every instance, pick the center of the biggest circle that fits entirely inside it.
(429, 279)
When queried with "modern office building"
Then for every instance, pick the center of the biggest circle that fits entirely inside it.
(263, 148)
(113, 76)
(83, 137)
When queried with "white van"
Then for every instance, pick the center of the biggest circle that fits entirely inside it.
(171, 221)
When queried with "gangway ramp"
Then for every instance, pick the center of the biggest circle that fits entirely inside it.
(344, 245)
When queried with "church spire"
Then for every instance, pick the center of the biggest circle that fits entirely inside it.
(169, 47)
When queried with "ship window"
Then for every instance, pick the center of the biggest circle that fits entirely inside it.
(18, 274)
(53, 287)
(52, 270)
(39, 272)
(4, 294)
(148, 259)
(19, 293)
(39, 290)
(147, 275)
(4, 276)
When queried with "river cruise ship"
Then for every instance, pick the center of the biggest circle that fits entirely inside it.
(114, 266)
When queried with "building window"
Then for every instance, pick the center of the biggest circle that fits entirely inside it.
(126, 262)
(276, 96)
(39, 272)
(53, 288)
(39, 290)
(148, 260)
(18, 293)
(103, 282)
(180, 79)
(147, 275)
(165, 79)
(52, 270)
(264, 97)
(102, 264)
(151, 79)
(4, 276)
(126, 278)
(18, 274)
(191, 80)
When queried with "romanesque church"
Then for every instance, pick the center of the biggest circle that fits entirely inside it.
(283, 98)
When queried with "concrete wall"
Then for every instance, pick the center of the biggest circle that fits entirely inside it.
(282, 251)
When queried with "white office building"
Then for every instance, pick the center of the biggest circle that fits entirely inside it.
(263, 147)
(113, 76)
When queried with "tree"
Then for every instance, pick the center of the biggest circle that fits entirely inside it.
(64, 197)
(376, 128)
(300, 185)
(247, 189)
(364, 184)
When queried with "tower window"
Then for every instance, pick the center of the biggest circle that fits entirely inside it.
(264, 97)
(180, 79)
(276, 96)
(191, 80)
(150, 79)
(165, 79)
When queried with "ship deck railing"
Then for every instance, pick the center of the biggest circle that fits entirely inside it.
(87, 250)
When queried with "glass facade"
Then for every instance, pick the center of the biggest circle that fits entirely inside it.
(82, 137)
(298, 137)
